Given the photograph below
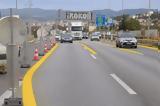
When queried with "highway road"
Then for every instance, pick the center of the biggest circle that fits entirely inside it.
(73, 76)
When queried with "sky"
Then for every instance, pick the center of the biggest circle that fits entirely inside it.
(81, 4)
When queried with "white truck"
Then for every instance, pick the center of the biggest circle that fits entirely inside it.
(77, 30)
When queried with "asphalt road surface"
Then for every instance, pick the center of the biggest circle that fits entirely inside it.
(73, 76)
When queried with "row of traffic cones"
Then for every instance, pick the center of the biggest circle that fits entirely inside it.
(46, 49)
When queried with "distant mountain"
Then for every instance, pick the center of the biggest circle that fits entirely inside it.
(46, 15)
(113, 13)
(36, 13)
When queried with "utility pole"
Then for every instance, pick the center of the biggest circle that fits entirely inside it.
(30, 7)
(109, 4)
(26, 61)
(122, 7)
(16, 4)
(149, 16)
(122, 15)
(16, 7)
(0, 14)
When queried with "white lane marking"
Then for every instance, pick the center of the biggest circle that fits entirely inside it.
(93, 56)
(6, 94)
(123, 84)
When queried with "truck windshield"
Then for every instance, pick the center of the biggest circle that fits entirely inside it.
(76, 28)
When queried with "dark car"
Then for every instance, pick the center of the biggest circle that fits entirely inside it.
(85, 36)
(66, 38)
(126, 40)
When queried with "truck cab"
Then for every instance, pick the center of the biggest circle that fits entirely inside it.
(76, 30)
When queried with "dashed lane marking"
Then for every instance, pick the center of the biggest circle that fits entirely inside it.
(123, 84)
(93, 56)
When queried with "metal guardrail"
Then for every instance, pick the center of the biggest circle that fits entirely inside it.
(149, 42)
(158, 45)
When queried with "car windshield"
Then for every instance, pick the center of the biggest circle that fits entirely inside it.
(79, 52)
(127, 35)
(57, 34)
(66, 35)
(76, 28)
(94, 35)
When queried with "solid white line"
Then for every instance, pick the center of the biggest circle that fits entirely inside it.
(123, 84)
(93, 56)
(6, 94)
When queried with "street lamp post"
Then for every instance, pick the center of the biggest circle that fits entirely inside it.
(149, 17)
(122, 15)
(16, 4)
(17, 7)
(122, 7)
(30, 7)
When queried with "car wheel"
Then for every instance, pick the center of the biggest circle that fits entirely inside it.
(120, 46)
(116, 45)
(135, 47)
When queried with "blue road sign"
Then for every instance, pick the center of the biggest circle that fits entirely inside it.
(103, 21)
(100, 20)
(109, 21)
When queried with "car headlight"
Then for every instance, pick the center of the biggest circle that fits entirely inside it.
(70, 38)
(135, 41)
(122, 40)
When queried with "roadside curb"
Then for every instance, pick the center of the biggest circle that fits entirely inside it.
(148, 47)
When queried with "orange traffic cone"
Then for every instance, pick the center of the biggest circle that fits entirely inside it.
(36, 57)
(45, 48)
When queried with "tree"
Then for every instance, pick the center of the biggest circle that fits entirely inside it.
(34, 30)
(129, 24)
(123, 22)
(132, 24)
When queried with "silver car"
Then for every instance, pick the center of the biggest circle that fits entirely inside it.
(95, 37)
(126, 40)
